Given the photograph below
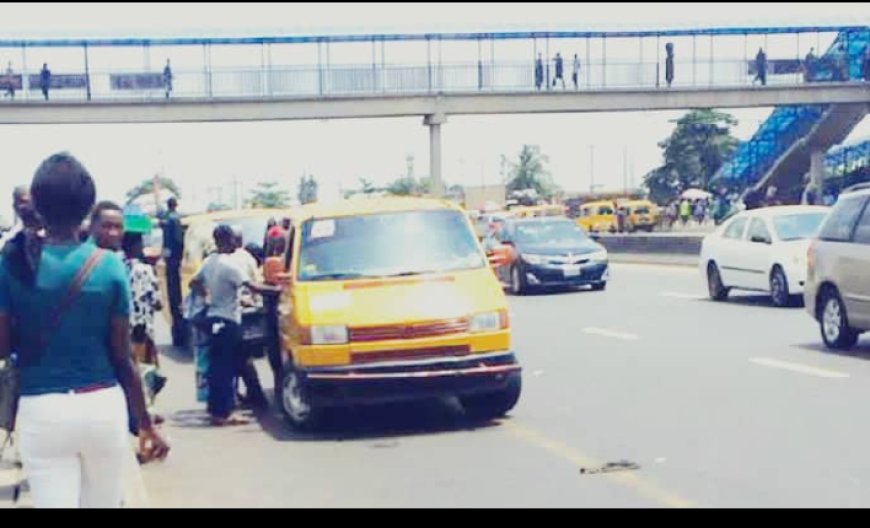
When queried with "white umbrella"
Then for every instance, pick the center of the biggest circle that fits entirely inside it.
(695, 194)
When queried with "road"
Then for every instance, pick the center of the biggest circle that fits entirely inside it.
(719, 404)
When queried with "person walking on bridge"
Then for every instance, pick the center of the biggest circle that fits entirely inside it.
(810, 66)
(539, 72)
(669, 63)
(10, 80)
(167, 78)
(45, 80)
(575, 74)
(760, 67)
(560, 67)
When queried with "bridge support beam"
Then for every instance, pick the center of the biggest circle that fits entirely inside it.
(434, 122)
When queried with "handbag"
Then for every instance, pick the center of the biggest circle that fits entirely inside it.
(9, 376)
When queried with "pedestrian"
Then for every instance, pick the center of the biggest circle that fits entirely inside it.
(10, 80)
(700, 212)
(146, 302)
(45, 80)
(671, 214)
(272, 268)
(221, 280)
(575, 74)
(167, 78)
(173, 251)
(74, 357)
(810, 66)
(106, 229)
(25, 215)
(559, 70)
(669, 63)
(760, 67)
(539, 71)
(841, 64)
(245, 369)
(621, 215)
(685, 211)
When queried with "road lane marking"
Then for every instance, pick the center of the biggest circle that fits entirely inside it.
(640, 485)
(797, 367)
(610, 333)
(680, 295)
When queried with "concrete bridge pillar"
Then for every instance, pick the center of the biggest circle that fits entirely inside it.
(817, 172)
(434, 122)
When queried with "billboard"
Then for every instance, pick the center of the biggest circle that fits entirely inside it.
(60, 81)
(136, 81)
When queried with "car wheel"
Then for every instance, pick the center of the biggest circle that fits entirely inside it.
(779, 288)
(599, 286)
(834, 322)
(717, 290)
(518, 281)
(295, 401)
(493, 404)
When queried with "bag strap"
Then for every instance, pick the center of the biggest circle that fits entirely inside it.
(70, 296)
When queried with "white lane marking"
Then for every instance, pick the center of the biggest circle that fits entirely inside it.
(610, 333)
(797, 367)
(679, 295)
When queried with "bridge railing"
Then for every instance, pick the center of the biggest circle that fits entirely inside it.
(360, 79)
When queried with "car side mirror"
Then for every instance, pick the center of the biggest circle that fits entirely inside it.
(760, 239)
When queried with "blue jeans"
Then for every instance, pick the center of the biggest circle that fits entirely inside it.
(223, 348)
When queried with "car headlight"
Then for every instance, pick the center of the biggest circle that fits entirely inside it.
(598, 256)
(328, 335)
(534, 259)
(488, 321)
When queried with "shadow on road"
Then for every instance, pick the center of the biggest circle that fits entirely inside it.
(386, 421)
(860, 351)
(559, 290)
(756, 299)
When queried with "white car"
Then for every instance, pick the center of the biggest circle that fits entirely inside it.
(761, 250)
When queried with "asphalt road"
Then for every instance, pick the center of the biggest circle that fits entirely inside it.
(711, 404)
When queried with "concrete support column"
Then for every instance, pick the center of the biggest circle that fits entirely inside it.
(817, 172)
(434, 122)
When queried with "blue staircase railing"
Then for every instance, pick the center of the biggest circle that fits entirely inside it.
(787, 124)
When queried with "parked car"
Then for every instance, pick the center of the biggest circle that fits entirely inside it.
(761, 250)
(837, 293)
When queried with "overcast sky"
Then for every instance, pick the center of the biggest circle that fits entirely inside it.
(338, 152)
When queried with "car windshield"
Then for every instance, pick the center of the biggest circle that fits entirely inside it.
(549, 233)
(797, 226)
(386, 245)
(641, 210)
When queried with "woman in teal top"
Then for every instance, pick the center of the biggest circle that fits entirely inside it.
(74, 362)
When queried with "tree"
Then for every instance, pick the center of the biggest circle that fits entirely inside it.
(366, 186)
(217, 206)
(530, 173)
(698, 146)
(307, 190)
(147, 187)
(267, 195)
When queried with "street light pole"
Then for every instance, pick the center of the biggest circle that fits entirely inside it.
(591, 169)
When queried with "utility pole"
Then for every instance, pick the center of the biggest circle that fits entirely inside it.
(591, 169)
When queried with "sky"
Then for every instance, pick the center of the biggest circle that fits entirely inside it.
(203, 157)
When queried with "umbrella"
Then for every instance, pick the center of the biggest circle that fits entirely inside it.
(695, 194)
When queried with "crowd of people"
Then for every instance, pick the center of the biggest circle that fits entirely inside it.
(68, 324)
(78, 301)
